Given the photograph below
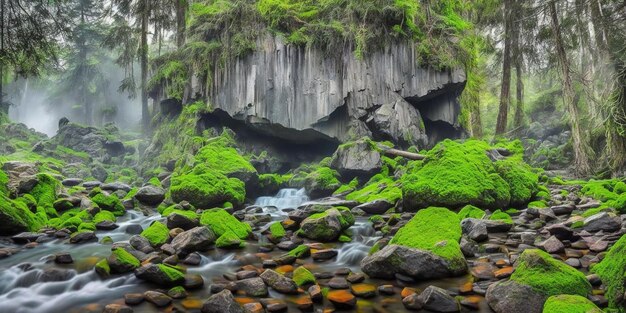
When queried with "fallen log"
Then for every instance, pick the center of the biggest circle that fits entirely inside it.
(404, 154)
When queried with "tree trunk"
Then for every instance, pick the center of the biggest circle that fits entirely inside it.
(145, 114)
(181, 22)
(476, 121)
(503, 111)
(518, 58)
(2, 106)
(581, 148)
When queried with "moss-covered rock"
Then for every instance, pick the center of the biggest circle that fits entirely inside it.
(470, 211)
(205, 189)
(570, 304)
(220, 222)
(102, 268)
(321, 182)
(45, 193)
(228, 240)
(120, 261)
(612, 271)
(328, 225)
(302, 276)
(436, 230)
(537, 269)
(456, 174)
(379, 187)
(16, 217)
(157, 234)
(104, 216)
(498, 215)
(277, 231)
(108, 202)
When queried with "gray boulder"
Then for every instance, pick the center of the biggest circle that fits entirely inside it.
(279, 282)
(196, 239)
(356, 159)
(438, 300)
(328, 226)
(475, 229)
(222, 302)
(175, 220)
(150, 195)
(511, 297)
(253, 287)
(602, 221)
(418, 264)
(375, 207)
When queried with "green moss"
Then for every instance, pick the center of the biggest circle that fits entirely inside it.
(619, 188)
(350, 187)
(205, 189)
(125, 257)
(109, 203)
(548, 276)
(173, 209)
(63, 205)
(45, 193)
(220, 156)
(612, 271)
(322, 178)
(470, 211)
(498, 215)
(16, 216)
(300, 251)
(228, 240)
(302, 276)
(344, 238)
(220, 222)
(87, 226)
(102, 267)
(379, 187)
(569, 304)
(376, 219)
(277, 230)
(4, 180)
(272, 181)
(157, 234)
(174, 274)
(434, 229)
(538, 204)
(104, 216)
(456, 174)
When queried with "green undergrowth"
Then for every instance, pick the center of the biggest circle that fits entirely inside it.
(436, 230)
(220, 222)
(380, 187)
(612, 271)
(569, 304)
(548, 276)
(456, 174)
(611, 193)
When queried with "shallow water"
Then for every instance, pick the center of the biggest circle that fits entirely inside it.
(21, 289)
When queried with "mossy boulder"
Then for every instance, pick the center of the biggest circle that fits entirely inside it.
(456, 174)
(538, 276)
(303, 276)
(328, 225)
(570, 304)
(205, 189)
(228, 240)
(612, 271)
(359, 158)
(220, 222)
(157, 234)
(470, 211)
(321, 182)
(109, 203)
(16, 217)
(121, 261)
(427, 247)
(161, 274)
(379, 187)
(277, 231)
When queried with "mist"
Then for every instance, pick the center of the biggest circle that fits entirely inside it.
(36, 102)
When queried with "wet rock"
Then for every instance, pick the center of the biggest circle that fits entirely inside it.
(55, 274)
(177, 293)
(113, 187)
(342, 299)
(511, 297)
(304, 303)
(157, 298)
(475, 229)
(375, 207)
(338, 283)
(327, 227)
(176, 220)
(193, 259)
(71, 182)
(279, 282)
(117, 308)
(356, 159)
(141, 243)
(386, 290)
(412, 302)
(63, 258)
(286, 245)
(274, 305)
(222, 302)
(83, 237)
(468, 247)
(315, 292)
(160, 274)
(438, 300)
(193, 281)
(418, 264)
(252, 287)
(150, 195)
(363, 290)
(602, 221)
(246, 274)
(106, 225)
(355, 278)
(26, 237)
(254, 307)
(195, 239)
(133, 298)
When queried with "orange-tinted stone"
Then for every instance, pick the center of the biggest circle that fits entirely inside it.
(285, 269)
(503, 272)
(244, 300)
(363, 290)
(254, 307)
(466, 288)
(342, 299)
(191, 304)
(407, 292)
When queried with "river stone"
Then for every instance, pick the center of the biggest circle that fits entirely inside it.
(154, 274)
(324, 254)
(157, 298)
(83, 237)
(279, 282)
(417, 264)
(55, 275)
(253, 287)
(115, 186)
(222, 302)
(106, 225)
(63, 258)
(117, 308)
(412, 302)
(150, 195)
(475, 229)
(133, 298)
(196, 239)
(560, 231)
(497, 226)
(141, 243)
(356, 159)
(175, 220)
(375, 207)
(438, 300)
(26, 237)
(326, 228)
(602, 221)
(552, 245)
(342, 299)
(511, 297)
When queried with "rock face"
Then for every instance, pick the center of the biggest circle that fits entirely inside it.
(299, 93)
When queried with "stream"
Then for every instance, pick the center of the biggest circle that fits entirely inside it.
(31, 282)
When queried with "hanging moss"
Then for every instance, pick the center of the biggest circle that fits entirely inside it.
(548, 276)
(220, 222)
(157, 234)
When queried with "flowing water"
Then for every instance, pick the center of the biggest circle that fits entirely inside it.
(30, 281)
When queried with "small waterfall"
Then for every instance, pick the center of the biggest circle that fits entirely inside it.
(363, 238)
(288, 198)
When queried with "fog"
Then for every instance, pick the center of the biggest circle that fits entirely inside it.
(38, 104)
